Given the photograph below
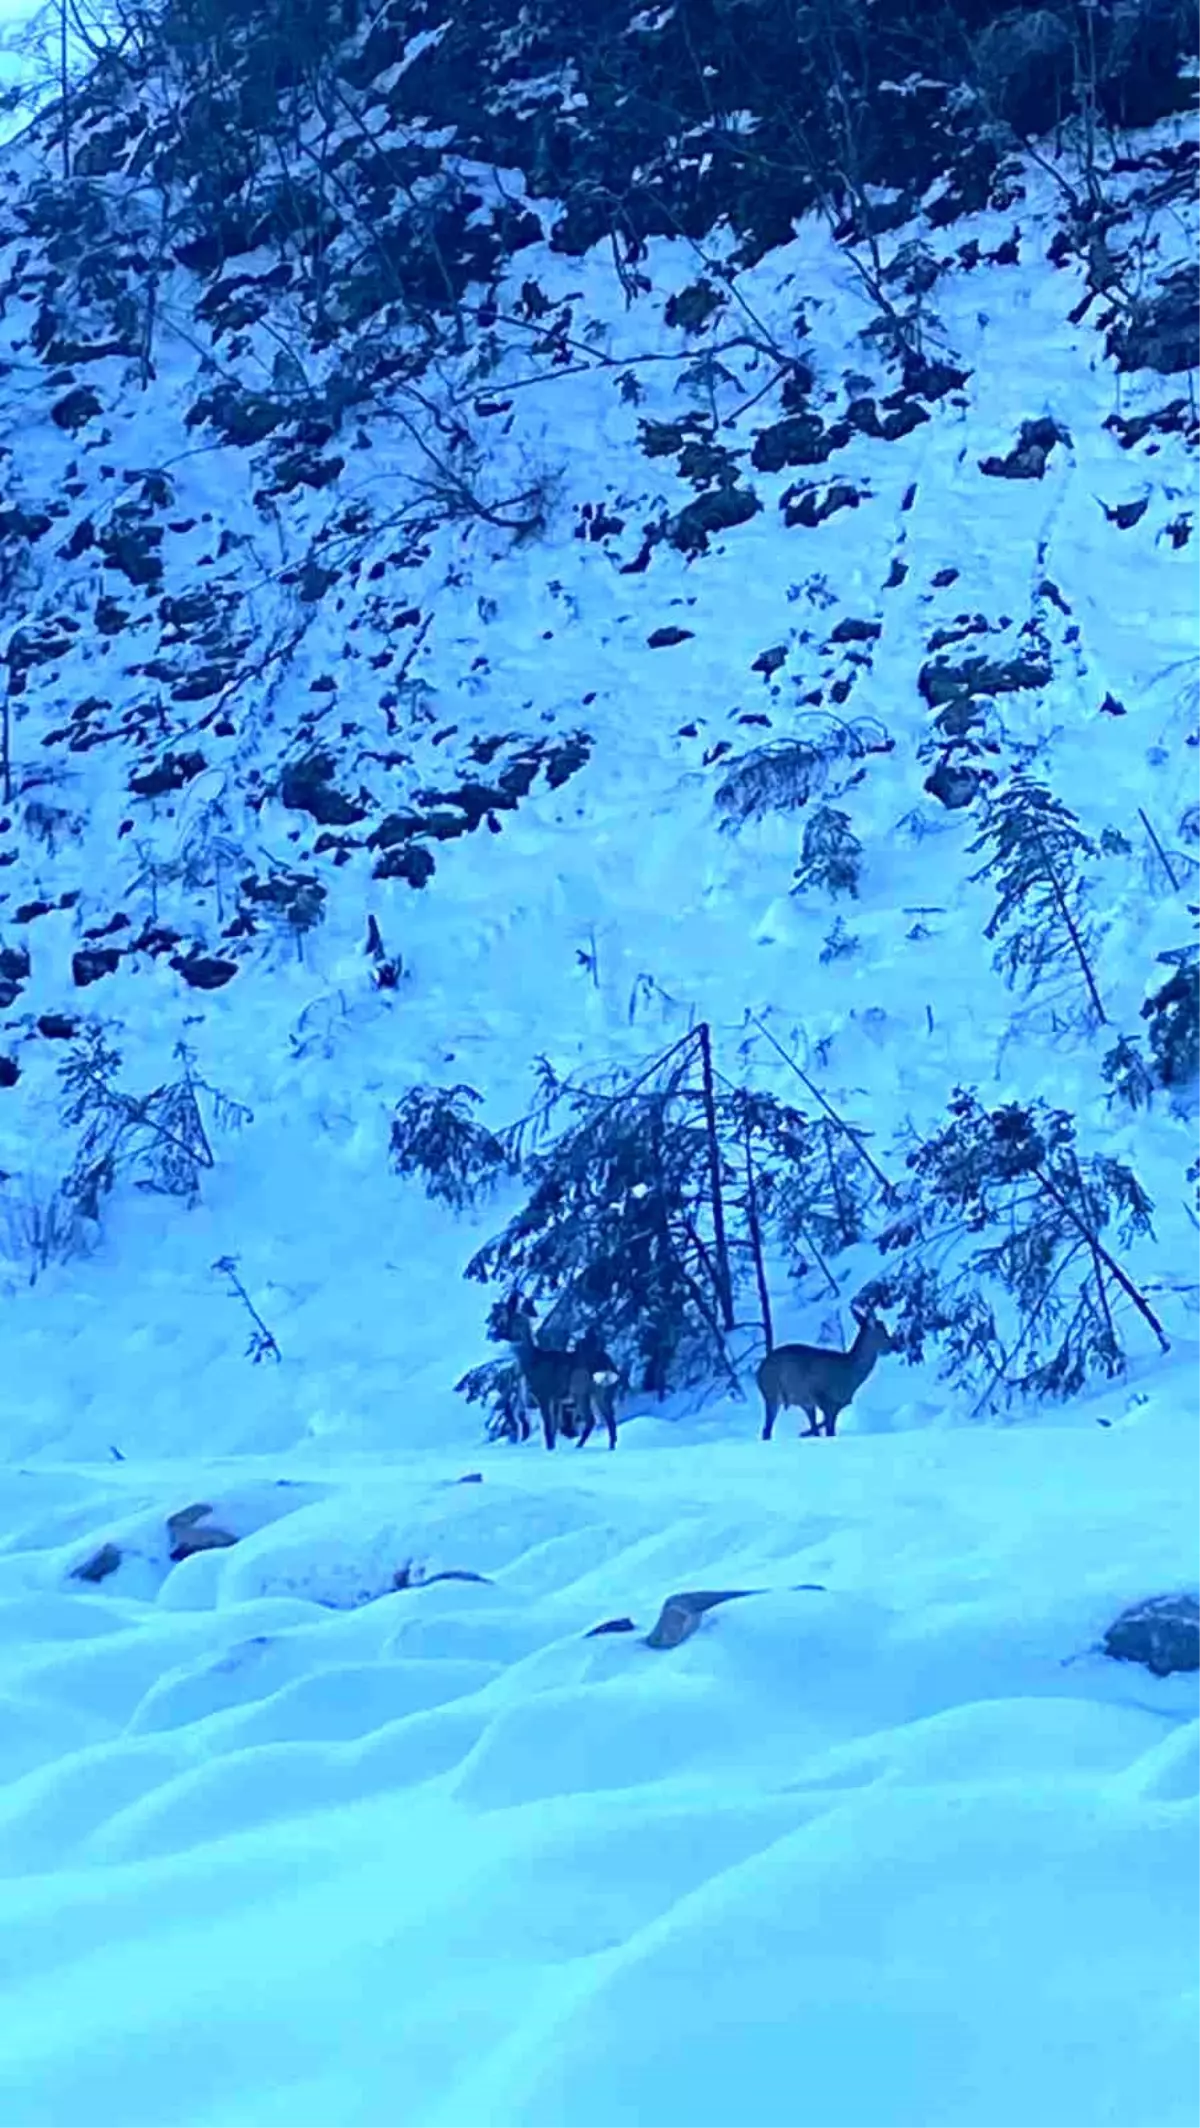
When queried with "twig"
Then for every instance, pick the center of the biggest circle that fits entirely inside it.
(1161, 853)
(889, 1188)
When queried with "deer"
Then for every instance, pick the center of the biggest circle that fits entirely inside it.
(582, 1381)
(818, 1380)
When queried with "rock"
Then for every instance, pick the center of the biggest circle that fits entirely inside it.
(19, 523)
(10, 1071)
(100, 1565)
(810, 506)
(955, 784)
(769, 661)
(853, 631)
(660, 439)
(1163, 1632)
(717, 511)
(404, 1577)
(1126, 514)
(692, 308)
(932, 379)
(57, 1027)
(701, 461)
(207, 1538)
(76, 408)
(129, 544)
(611, 1625)
(1163, 332)
(1027, 459)
(942, 681)
(169, 774)
(242, 418)
(91, 962)
(204, 971)
(189, 1532)
(1173, 418)
(14, 963)
(306, 787)
(109, 617)
(680, 1615)
(410, 861)
(666, 638)
(801, 439)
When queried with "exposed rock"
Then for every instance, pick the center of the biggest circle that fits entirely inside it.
(1028, 456)
(716, 511)
(666, 638)
(186, 1542)
(1172, 419)
(680, 1615)
(931, 379)
(38, 643)
(942, 681)
(769, 661)
(801, 439)
(702, 461)
(242, 418)
(204, 971)
(902, 420)
(395, 828)
(77, 408)
(811, 506)
(1161, 332)
(692, 308)
(411, 861)
(10, 1071)
(14, 964)
(19, 523)
(306, 787)
(661, 439)
(109, 617)
(129, 544)
(955, 784)
(91, 962)
(100, 1565)
(57, 1027)
(1163, 1632)
(853, 631)
(1124, 515)
(304, 469)
(169, 774)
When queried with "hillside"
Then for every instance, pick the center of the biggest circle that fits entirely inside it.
(499, 580)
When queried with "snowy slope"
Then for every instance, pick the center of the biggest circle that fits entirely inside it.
(285, 1843)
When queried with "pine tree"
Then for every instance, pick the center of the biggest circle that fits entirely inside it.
(1002, 1255)
(1036, 848)
(831, 853)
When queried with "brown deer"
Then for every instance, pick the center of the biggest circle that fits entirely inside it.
(582, 1382)
(818, 1380)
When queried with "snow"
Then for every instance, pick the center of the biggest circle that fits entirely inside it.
(282, 1842)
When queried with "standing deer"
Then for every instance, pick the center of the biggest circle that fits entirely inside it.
(818, 1380)
(582, 1381)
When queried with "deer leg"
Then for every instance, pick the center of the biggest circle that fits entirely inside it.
(549, 1425)
(589, 1422)
(814, 1425)
(610, 1420)
(772, 1413)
